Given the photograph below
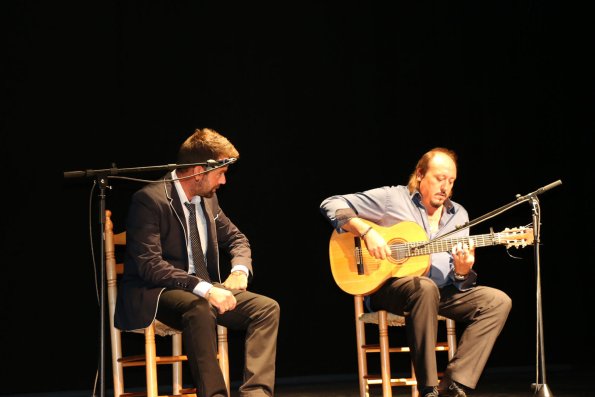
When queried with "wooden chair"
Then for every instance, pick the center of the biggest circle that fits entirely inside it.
(384, 319)
(150, 359)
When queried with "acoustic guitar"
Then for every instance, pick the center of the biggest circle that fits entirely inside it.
(358, 273)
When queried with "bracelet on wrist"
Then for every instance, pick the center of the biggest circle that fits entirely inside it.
(460, 277)
(366, 232)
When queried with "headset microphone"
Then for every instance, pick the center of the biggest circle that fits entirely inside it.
(212, 164)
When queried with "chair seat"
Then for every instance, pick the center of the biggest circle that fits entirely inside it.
(160, 329)
(393, 320)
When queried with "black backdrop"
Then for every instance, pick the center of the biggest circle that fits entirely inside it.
(320, 98)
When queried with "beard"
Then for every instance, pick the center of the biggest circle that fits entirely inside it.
(209, 194)
(204, 189)
(436, 203)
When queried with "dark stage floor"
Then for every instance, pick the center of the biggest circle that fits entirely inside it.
(510, 382)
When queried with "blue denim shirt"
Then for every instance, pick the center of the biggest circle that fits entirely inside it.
(389, 205)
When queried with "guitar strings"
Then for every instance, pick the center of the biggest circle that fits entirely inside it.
(404, 250)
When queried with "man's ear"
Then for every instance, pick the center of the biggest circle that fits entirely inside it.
(197, 169)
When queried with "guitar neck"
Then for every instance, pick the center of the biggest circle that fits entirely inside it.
(425, 248)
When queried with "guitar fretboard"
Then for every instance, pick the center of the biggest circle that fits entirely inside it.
(406, 250)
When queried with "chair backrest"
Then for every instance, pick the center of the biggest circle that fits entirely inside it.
(115, 269)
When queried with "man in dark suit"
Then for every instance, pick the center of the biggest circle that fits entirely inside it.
(175, 229)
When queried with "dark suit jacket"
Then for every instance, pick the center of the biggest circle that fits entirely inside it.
(156, 254)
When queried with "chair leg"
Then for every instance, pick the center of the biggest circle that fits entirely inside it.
(112, 293)
(151, 361)
(360, 336)
(451, 338)
(177, 383)
(118, 371)
(223, 354)
(384, 354)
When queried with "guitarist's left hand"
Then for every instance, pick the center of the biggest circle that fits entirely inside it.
(464, 257)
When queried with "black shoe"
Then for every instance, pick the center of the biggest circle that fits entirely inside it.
(451, 389)
(429, 392)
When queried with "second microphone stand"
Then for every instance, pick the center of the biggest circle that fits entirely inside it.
(540, 387)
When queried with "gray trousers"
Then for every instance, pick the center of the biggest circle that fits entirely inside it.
(484, 310)
(258, 315)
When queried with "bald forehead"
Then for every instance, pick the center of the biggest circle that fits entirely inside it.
(443, 164)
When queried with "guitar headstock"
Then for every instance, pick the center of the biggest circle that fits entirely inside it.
(515, 237)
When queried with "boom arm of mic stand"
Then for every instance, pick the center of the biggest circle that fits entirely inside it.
(480, 219)
(520, 199)
(116, 171)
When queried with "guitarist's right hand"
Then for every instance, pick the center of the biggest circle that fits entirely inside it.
(376, 245)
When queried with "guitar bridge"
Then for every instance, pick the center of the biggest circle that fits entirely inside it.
(359, 260)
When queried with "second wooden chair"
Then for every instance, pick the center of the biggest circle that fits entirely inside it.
(384, 319)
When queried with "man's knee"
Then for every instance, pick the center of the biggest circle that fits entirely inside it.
(427, 288)
(273, 308)
(506, 301)
(501, 302)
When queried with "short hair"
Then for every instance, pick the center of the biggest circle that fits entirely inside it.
(205, 144)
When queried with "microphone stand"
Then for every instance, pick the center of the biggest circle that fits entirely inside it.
(540, 387)
(102, 176)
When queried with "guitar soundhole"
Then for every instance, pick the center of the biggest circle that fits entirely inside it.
(399, 252)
